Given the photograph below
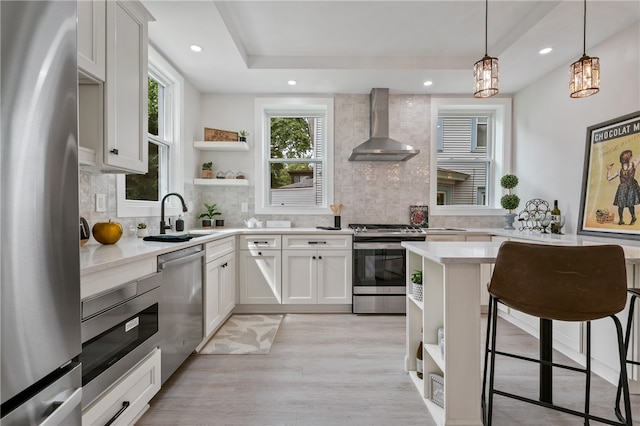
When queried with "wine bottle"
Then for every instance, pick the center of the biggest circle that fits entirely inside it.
(419, 364)
(555, 218)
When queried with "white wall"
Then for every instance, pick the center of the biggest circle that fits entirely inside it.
(550, 128)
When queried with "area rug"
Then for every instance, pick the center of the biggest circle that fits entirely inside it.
(244, 335)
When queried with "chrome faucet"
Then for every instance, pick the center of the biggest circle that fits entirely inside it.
(184, 209)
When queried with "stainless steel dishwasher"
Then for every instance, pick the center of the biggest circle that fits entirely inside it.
(180, 311)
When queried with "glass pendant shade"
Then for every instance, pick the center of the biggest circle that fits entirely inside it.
(584, 76)
(485, 77)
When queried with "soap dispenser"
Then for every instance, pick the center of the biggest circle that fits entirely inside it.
(180, 224)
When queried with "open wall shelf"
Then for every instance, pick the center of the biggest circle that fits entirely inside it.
(221, 146)
(221, 182)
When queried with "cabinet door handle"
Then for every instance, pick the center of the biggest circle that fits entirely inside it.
(261, 242)
(316, 242)
(259, 253)
(313, 257)
(225, 265)
(114, 151)
(125, 405)
(320, 257)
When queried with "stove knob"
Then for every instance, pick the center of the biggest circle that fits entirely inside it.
(364, 229)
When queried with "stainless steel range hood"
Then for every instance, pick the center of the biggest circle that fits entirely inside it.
(381, 147)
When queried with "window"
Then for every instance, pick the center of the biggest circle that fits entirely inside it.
(295, 155)
(150, 186)
(140, 195)
(463, 165)
(471, 153)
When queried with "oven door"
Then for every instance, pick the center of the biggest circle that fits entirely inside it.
(115, 340)
(379, 284)
(379, 265)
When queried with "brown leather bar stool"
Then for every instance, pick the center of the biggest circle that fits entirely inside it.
(566, 283)
(635, 294)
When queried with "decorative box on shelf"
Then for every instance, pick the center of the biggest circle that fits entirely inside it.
(436, 389)
(214, 135)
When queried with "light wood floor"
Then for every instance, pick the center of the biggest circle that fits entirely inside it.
(347, 370)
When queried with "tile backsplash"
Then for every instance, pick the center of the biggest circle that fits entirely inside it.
(372, 192)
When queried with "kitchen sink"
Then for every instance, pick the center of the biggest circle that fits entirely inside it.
(181, 237)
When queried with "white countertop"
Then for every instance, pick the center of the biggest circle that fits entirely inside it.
(97, 257)
(486, 252)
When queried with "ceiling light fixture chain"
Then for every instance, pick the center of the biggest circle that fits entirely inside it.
(485, 71)
(584, 74)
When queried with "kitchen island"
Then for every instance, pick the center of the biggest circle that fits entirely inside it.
(452, 280)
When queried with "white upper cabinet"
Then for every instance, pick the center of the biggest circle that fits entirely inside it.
(113, 111)
(92, 43)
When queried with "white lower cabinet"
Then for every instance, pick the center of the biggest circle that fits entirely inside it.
(220, 283)
(316, 269)
(129, 397)
(260, 269)
(316, 276)
(228, 285)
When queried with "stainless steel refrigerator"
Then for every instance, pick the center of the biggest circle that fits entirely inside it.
(39, 219)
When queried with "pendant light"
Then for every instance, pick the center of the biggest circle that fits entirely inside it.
(485, 71)
(584, 74)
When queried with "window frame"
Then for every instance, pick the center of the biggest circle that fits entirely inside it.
(498, 153)
(290, 106)
(163, 71)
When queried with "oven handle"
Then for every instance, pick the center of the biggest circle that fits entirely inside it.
(377, 246)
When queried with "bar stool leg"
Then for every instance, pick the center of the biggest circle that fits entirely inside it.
(623, 373)
(588, 378)
(627, 339)
(494, 319)
(483, 399)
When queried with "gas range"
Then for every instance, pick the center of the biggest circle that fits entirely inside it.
(387, 232)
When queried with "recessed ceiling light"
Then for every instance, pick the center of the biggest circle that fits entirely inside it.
(428, 83)
(292, 82)
(545, 50)
(195, 48)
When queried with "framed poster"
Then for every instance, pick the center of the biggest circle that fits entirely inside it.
(610, 202)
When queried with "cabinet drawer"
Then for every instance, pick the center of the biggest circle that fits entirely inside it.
(137, 387)
(317, 242)
(250, 242)
(218, 248)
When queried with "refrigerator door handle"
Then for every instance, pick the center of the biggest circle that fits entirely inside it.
(62, 409)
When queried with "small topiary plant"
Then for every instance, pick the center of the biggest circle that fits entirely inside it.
(509, 201)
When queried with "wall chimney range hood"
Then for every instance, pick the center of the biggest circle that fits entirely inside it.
(381, 147)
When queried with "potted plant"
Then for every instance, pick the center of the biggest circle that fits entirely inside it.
(209, 214)
(509, 201)
(142, 230)
(242, 135)
(207, 170)
(416, 279)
